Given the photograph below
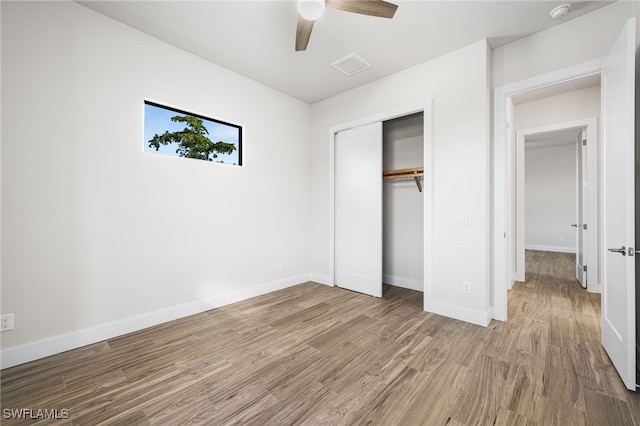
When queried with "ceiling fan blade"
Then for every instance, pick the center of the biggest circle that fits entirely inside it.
(303, 33)
(379, 8)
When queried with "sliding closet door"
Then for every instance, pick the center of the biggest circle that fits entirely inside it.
(358, 209)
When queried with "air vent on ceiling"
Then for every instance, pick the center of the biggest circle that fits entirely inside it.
(351, 64)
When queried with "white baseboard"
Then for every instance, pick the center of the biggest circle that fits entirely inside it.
(56, 344)
(495, 316)
(557, 249)
(403, 282)
(473, 316)
(321, 279)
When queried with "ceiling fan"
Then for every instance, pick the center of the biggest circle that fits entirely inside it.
(310, 10)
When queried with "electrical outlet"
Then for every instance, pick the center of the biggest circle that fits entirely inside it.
(6, 322)
(278, 266)
(466, 287)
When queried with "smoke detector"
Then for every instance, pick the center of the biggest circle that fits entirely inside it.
(560, 11)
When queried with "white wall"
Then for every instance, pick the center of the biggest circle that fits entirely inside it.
(579, 40)
(403, 208)
(550, 202)
(586, 38)
(99, 236)
(570, 106)
(458, 84)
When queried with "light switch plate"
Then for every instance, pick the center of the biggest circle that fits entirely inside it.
(464, 218)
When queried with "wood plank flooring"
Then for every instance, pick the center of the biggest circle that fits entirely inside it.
(315, 355)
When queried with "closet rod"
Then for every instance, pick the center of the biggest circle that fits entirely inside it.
(415, 173)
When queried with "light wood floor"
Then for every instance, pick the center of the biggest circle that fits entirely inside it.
(317, 355)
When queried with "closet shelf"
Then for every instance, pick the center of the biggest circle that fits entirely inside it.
(415, 173)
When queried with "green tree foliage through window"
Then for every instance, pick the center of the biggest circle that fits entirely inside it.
(192, 141)
(178, 133)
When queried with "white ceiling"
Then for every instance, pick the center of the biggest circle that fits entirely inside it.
(256, 38)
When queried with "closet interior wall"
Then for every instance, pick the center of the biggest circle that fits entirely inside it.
(403, 225)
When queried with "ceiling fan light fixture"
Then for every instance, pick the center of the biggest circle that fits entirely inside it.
(311, 9)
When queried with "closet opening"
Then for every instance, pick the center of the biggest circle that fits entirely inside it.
(381, 189)
(403, 202)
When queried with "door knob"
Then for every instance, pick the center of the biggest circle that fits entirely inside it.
(622, 251)
(575, 225)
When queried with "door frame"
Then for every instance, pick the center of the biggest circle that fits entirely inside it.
(501, 196)
(591, 126)
(426, 108)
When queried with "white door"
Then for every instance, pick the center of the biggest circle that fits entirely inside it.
(618, 296)
(358, 209)
(581, 210)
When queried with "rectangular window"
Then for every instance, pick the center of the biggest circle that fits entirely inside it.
(170, 131)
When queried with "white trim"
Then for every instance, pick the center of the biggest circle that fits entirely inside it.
(425, 108)
(520, 206)
(556, 249)
(383, 116)
(403, 282)
(473, 316)
(56, 344)
(591, 126)
(427, 190)
(594, 249)
(321, 279)
(500, 270)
